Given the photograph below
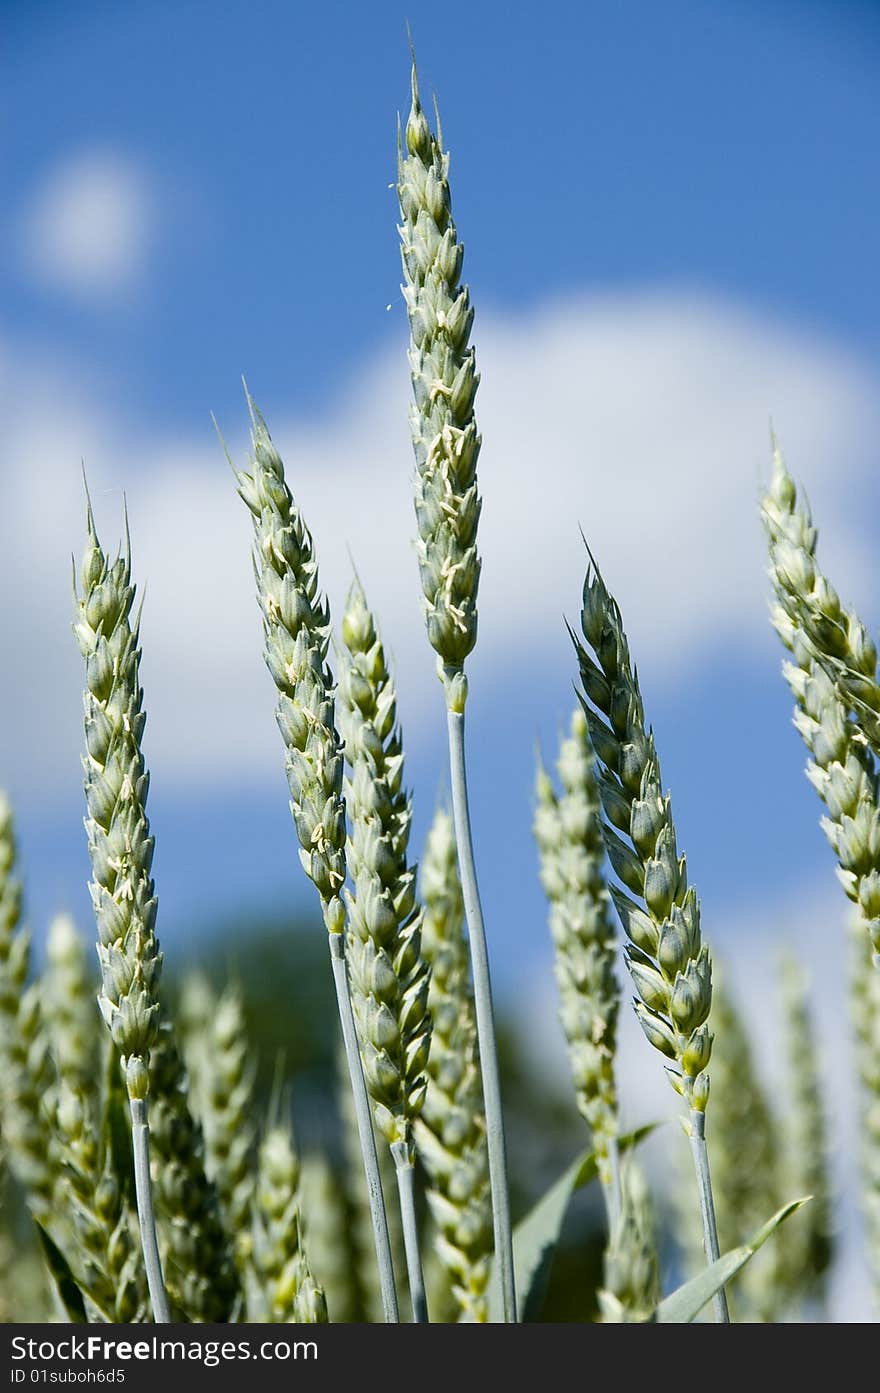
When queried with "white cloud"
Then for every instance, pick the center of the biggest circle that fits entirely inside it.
(643, 418)
(89, 225)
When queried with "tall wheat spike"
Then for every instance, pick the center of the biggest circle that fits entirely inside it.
(820, 636)
(296, 627)
(668, 961)
(387, 973)
(451, 1132)
(121, 849)
(568, 831)
(447, 503)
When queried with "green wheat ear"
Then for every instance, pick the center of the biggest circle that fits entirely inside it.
(287, 1290)
(444, 384)
(568, 832)
(451, 1133)
(809, 1243)
(669, 963)
(865, 1016)
(447, 504)
(823, 640)
(296, 630)
(25, 1068)
(389, 978)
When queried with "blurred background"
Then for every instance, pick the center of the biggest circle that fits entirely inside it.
(671, 216)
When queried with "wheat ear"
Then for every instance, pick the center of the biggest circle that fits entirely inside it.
(296, 626)
(121, 850)
(809, 1246)
(107, 1255)
(25, 1071)
(447, 505)
(388, 976)
(631, 1287)
(72, 1019)
(820, 635)
(230, 1135)
(745, 1148)
(865, 1015)
(451, 1133)
(568, 832)
(327, 1236)
(288, 1289)
(668, 961)
(358, 1199)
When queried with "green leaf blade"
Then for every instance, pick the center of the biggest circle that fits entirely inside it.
(685, 1304)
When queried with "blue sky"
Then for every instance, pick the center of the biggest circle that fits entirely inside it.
(671, 216)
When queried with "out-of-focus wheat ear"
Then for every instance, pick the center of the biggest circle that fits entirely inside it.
(388, 976)
(865, 1016)
(24, 1281)
(668, 961)
(809, 1246)
(25, 1066)
(197, 1248)
(195, 1011)
(70, 1009)
(451, 1133)
(106, 1260)
(287, 1290)
(832, 658)
(568, 832)
(296, 628)
(121, 849)
(745, 1148)
(631, 1287)
(447, 504)
(227, 1117)
(325, 1223)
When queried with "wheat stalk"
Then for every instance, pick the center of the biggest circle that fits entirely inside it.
(25, 1072)
(287, 1288)
(296, 626)
(568, 832)
(818, 634)
(388, 976)
(451, 1134)
(447, 505)
(667, 959)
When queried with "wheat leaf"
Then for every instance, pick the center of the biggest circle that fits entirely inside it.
(686, 1304)
(69, 1293)
(536, 1236)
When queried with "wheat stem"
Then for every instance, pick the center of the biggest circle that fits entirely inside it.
(484, 1014)
(697, 1134)
(140, 1138)
(406, 1190)
(365, 1129)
